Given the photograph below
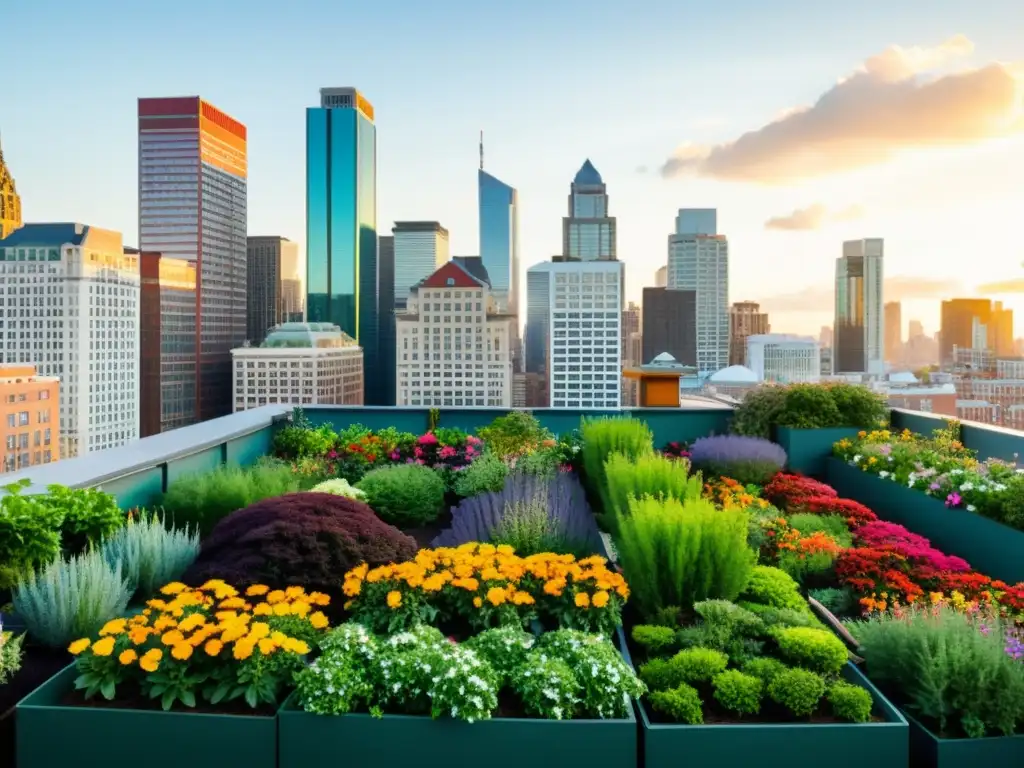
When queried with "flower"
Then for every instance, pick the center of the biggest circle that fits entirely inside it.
(582, 600)
(394, 599)
(213, 647)
(103, 647)
(150, 660)
(953, 499)
(79, 646)
(126, 657)
(256, 590)
(318, 620)
(114, 627)
(600, 599)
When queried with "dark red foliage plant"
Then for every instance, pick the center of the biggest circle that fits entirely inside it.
(301, 539)
(785, 490)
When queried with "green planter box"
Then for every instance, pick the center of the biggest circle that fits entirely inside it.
(52, 734)
(929, 751)
(991, 548)
(362, 741)
(782, 745)
(807, 449)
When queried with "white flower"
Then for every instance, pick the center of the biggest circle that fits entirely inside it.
(970, 508)
(966, 486)
(883, 474)
(858, 457)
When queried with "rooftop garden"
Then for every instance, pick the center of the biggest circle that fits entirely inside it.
(599, 594)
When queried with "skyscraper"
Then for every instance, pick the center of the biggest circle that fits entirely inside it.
(669, 325)
(276, 285)
(499, 238)
(421, 247)
(341, 223)
(1002, 330)
(387, 334)
(893, 332)
(588, 232)
(10, 203)
(965, 325)
(698, 260)
(858, 345)
(661, 277)
(193, 171)
(745, 319)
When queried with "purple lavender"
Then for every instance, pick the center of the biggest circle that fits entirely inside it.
(749, 460)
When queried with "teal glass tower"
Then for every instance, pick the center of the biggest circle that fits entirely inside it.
(341, 223)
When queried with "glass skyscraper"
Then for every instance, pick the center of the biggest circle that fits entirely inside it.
(341, 223)
(588, 232)
(499, 240)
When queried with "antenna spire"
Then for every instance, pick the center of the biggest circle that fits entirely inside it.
(481, 150)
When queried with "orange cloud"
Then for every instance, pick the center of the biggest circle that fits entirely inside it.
(894, 101)
(1015, 285)
(821, 298)
(812, 217)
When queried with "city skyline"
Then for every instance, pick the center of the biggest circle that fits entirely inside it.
(891, 196)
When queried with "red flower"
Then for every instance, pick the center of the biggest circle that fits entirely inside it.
(785, 490)
(855, 513)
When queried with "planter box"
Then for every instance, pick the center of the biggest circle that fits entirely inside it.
(362, 741)
(807, 449)
(782, 745)
(991, 548)
(929, 751)
(51, 733)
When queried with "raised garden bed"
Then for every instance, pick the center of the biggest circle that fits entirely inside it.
(37, 666)
(930, 751)
(807, 449)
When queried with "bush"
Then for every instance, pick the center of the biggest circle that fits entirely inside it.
(303, 539)
(681, 704)
(759, 412)
(10, 655)
(831, 525)
(547, 687)
(201, 500)
(850, 702)
(815, 649)
(837, 601)
(603, 437)
(809, 406)
(514, 434)
(654, 640)
(678, 554)
(725, 627)
(764, 668)
(660, 674)
(748, 460)
(407, 495)
(738, 692)
(71, 598)
(339, 486)
(504, 648)
(29, 533)
(699, 665)
(90, 515)
(651, 474)
(300, 440)
(485, 475)
(775, 588)
(798, 690)
(149, 554)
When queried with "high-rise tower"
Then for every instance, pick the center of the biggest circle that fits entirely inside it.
(588, 232)
(859, 343)
(10, 203)
(341, 223)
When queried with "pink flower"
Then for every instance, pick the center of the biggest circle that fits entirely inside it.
(447, 452)
(427, 439)
(472, 440)
(470, 450)
(953, 499)
(395, 455)
(418, 451)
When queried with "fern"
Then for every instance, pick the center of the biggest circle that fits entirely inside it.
(149, 554)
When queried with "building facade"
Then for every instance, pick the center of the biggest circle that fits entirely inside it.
(299, 364)
(588, 232)
(893, 332)
(454, 346)
(661, 277)
(10, 202)
(193, 177)
(386, 317)
(421, 248)
(167, 343)
(698, 261)
(276, 290)
(745, 319)
(859, 329)
(71, 308)
(341, 223)
(537, 332)
(670, 325)
(499, 239)
(784, 359)
(29, 415)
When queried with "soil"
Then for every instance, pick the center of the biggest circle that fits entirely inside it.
(37, 666)
(425, 534)
(130, 700)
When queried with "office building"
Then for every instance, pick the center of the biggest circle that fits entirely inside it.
(745, 319)
(167, 341)
(10, 202)
(574, 331)
(193, 171)
(299, 364)
(631, 323)
(276, 290)
(783, 358)
(966, 324)
(661, 277)
(1002, 342)
(421, 248)
(29, 414)
(588, 232)
(499, 237)
(386, 316)
(858, 345)
(341, 223)
(698, 261)
(893, 332)
(454, 345)
(72, 297)
(670, 325)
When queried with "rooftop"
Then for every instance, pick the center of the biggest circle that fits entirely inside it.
(587, 175)
(46, 235)
(307, 335)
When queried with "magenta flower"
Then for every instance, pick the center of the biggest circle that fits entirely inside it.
(427, 439)
(395, 455)
(472, 440)
(447, 452)
(953, 499)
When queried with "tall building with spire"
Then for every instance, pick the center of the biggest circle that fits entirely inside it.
(588, 232)
(10, 203)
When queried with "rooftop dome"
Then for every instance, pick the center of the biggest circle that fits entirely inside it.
(587, 175)
(307, 335)
(734, 374)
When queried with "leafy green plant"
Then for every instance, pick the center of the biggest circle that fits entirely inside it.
(90, 515)
(514, 434)
(487, 474)
(699, 665)
(798, 690)
(759, 412)
(29, 533)
(764, 668)
(404, 494)
(504, 648)
(201, 500)
(339, 486)
(738, 692)
(838, 601)
(654, 640)
(850, 702)
(71, 598)
(681, 704)
(832, 525)
(809, 406)
(528, 527)
(547, 687)
(678, 554)
(10, 654)
(816, 649)
(772, 587)
(603, 437)
(649, 474)
(149, 554)
(301, 439)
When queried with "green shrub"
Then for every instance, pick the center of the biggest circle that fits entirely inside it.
(783, 617)
(681, 704)
(487, 474)
(725, 627)
(759, 412)
(660, 674)
(504, 648)
(815, 649)
(404, 494)
(514, 434)
(339, 486)
(71, 598)
(837, 601)
(803, 568)
(300, 440)
(652, 474)
(798, 690)
(809, 406)
(90, 515)
(699, 665)
(149, 554)
(678, 554)
(738, 692)
(765, 668)
(773, 587)
(832, 525)
(201, 500)
(603, 437)
(10, 655)
(653, 639)
(850, 702)
(544, 462)
(29, 533)
(669, 616)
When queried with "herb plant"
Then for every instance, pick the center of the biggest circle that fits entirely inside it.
(149, 554)
(406, 495)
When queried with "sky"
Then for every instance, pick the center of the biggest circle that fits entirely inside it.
(805, 123)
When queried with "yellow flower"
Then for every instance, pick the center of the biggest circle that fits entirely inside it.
(505, 549)
(234, 633)
(477, 602)
(600, 599)
(232, 603)
(347, 605)
(182, 651)
(173, 588)
(263, 609)
(150, 662)
(296, 646)
(113, 627)
(293, 592)
(522, 598)
(257, 589)
(282, 609)
(243, 650)
(319, 598)
(191, 622)
(582, 600)
(127, 657)
(259, 629)
(224, 591)
(138, 635)
(79, 646)
(276, 596)
(164, 622)
(352, 588)
(103, 647)
(318, 620)
(394, 599)
(496, 595)
(213, 647)
(267, 646)
(172, 638)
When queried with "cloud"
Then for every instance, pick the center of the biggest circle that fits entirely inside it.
(821, 298)
(1003, 286)
(894, 101)
(812, 217)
